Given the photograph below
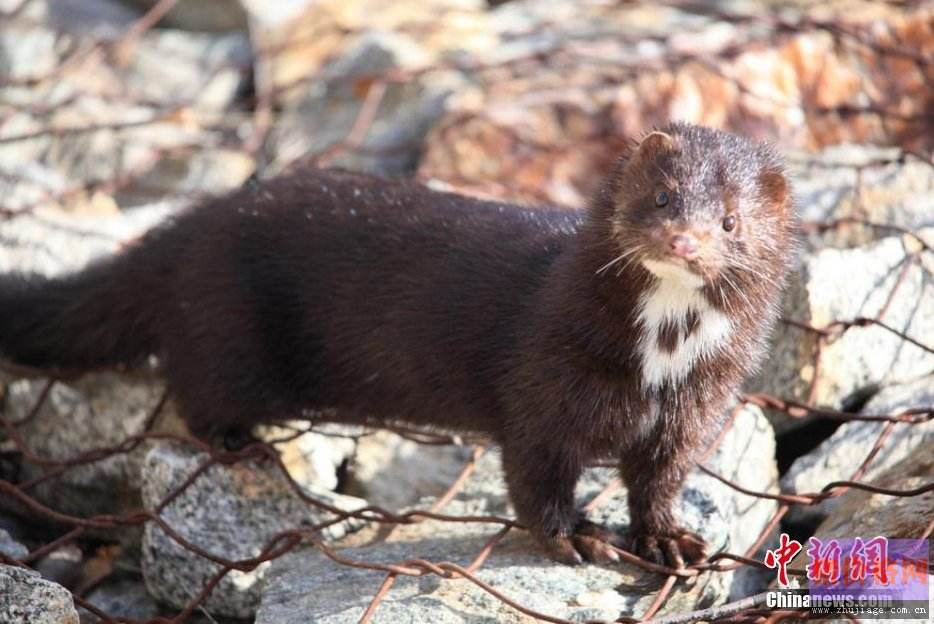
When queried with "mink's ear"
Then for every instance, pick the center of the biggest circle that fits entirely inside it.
(653, 147)
(654, 144)
(774, 186)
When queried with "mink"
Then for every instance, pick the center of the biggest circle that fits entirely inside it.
(619, 331)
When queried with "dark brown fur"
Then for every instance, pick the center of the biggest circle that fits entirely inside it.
(392, 302)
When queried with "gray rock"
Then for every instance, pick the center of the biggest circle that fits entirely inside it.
(230, 511)
(98, 411)
(104, 19)
(27, 598)
(306, 585)
(394, 472)
(51, 242)
(309, 586)
(63, 565)
(33, 182)
(865, 513)
(844, 284)
(330, 107)
(124, 598)
(200, 70)
(841, 454)
(208, 172)
(27, 51)
(842, 181)
(415, 609)
(192, 75)
(9, 547)
(53, 168)
(210, 15)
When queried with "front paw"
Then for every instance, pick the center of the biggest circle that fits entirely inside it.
(671, 548)
(590, 542)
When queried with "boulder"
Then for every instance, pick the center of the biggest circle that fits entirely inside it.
(394, 472)
(205, 71)
(124, 597)
(85, 116)
(329, 108)
(104, 19)
(64, 565)
(187, 177)
(308, 585)
(844, 285)
(230, 511)
(9, 547)
(51, 242)
(204, 15)
(27, 598)
(863, 513)
(27, 51)
(97, 412)
(838, 457)
(863, 182)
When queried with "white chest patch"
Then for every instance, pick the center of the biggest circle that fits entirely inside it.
(679, 326)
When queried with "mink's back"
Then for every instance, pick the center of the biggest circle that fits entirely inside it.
(329, 289)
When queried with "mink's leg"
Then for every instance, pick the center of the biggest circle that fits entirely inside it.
(231, 439)
(654, 476)
(541, 484)
(237, 439)
(222, 425)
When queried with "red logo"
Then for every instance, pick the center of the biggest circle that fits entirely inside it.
(824, 561)
(864, 560)
(827, 563)
(782, 556)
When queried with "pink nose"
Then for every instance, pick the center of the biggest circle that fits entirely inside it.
(683, 245)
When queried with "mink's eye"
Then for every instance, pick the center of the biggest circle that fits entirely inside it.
(729, 222)
(661, 199)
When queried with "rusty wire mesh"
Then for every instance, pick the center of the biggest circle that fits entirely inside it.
(261, 106)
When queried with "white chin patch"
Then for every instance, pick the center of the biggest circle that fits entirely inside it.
(671, 272)
(675, 306)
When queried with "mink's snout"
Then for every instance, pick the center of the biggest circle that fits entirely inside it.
(683, 246)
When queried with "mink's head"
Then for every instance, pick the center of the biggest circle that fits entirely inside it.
(704, 205)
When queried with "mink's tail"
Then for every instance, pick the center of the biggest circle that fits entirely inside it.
(102, 316)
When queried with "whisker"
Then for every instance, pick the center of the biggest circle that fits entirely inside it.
(736, 289)
(609, 264)
(618, 258)
(632, 257)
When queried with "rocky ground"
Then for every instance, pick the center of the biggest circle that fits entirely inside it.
(115, 113)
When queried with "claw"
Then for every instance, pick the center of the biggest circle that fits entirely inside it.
(563, 549)
(692, 546)
(595, 550)
(587, 528)
(673, 549)
(590, 542)
(672, 553)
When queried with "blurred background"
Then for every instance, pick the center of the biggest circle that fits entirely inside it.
(116, 113)
(110, 105)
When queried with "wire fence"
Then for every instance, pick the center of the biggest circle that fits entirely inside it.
(911, 132)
